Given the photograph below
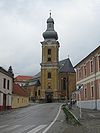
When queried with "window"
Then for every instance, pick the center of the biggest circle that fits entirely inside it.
(4, 83)
(91, 66)
(99, 90)
(18, 100)
(39, 92)
(49, 59)
(49, 75)
(85, 70)
(79, 73)
(49, 51)
(8, 84)
(85, 93)
(49, 87)
(64, 84)
(35, 93)
(99, 61)
(22, 100)
(92, 91)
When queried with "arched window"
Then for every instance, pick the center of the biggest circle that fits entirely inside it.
(49, 75)
(64, 83)
(39, 92)
(49, 59)
(49, 51)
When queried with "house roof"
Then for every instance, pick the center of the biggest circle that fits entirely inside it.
(23, 78)
(2, 70)
(66, 66)
(18, 90)
(91, 54)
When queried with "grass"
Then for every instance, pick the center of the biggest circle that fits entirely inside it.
(70, 117)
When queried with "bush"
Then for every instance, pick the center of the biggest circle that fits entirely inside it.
(71, 118)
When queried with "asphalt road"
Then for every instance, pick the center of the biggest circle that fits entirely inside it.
(41, 118)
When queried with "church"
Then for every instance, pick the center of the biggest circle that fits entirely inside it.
(57, 79)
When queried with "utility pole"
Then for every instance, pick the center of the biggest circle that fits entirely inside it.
(80, 108)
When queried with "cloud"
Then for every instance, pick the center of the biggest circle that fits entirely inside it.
(22, 23)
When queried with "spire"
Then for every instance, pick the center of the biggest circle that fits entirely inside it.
(50, 13)
(10, 71)
(50, 33)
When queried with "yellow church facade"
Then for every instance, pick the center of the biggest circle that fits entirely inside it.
(55, 81)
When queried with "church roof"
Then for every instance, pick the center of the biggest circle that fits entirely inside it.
(35, 80)
(50, 33)
(37, 76)
(66, 66)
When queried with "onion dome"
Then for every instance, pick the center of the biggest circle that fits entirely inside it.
(50, 33)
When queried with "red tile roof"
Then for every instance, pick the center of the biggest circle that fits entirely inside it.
(23, 78)
(18, 90)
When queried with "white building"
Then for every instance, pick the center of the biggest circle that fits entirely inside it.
(6, 84)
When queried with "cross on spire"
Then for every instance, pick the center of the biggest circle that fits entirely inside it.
(50, 12)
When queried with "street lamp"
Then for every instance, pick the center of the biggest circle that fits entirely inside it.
(80, 105)
(80, 109)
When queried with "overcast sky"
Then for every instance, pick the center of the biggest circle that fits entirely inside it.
(22, 23)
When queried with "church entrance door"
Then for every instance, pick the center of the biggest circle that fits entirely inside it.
(49, 96)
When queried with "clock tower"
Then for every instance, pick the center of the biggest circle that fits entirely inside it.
(50, 63)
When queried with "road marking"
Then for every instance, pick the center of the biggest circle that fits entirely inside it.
(35, 130)
(3, 126)
(53, 121)
(11, 128)
(22, 129)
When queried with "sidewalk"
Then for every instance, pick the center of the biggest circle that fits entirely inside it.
(90, 121)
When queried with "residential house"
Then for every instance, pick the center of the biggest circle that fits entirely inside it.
(88, 81)
(20, 97)
(6, 85)
(33, 88)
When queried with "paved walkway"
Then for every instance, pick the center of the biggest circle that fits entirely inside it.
(90, 121)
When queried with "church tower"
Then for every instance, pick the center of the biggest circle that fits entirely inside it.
(49, 64)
